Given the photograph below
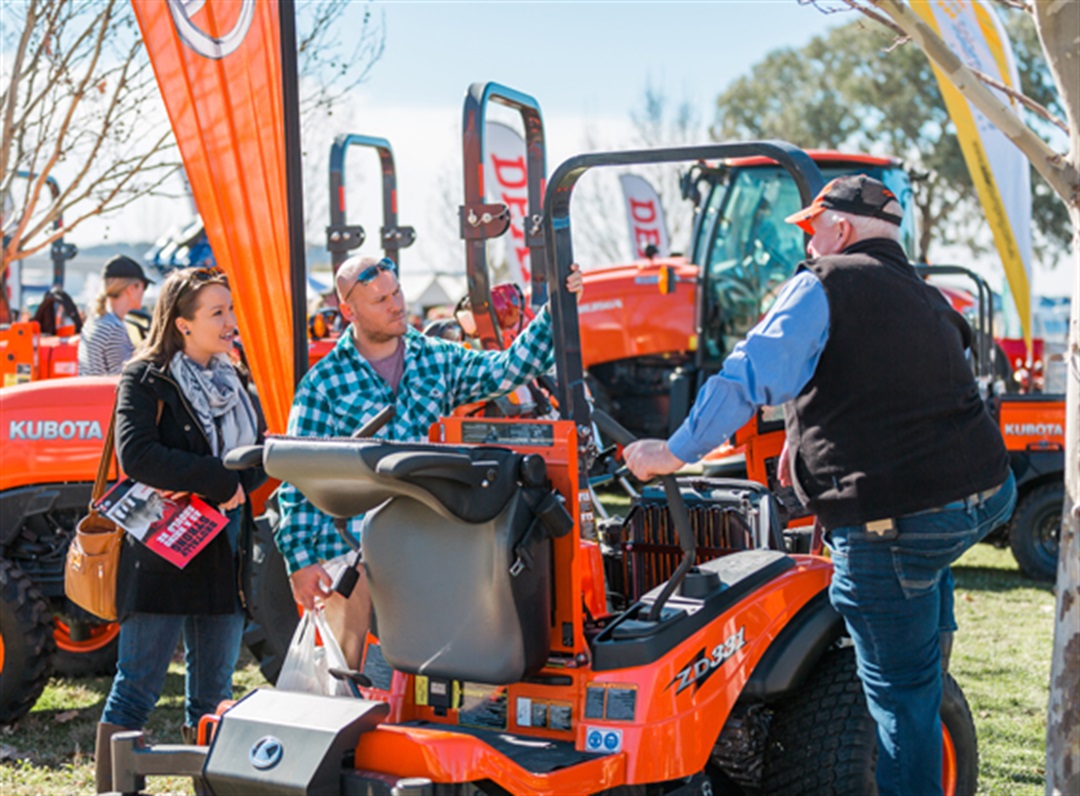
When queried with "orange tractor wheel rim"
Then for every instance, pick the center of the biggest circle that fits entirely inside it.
(100, 636)
(948, 763)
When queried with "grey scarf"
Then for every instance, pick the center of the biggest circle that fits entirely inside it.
(219, 399)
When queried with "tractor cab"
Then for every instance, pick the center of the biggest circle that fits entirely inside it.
(744, 248)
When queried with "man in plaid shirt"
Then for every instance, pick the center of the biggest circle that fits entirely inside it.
(382, 361)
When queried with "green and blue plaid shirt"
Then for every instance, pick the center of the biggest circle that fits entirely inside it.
(343, 392)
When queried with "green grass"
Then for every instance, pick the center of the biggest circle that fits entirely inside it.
(1001, 659)
(55, 743)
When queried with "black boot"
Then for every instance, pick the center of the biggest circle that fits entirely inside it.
(103, 756)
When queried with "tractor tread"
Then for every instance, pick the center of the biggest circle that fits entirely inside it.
(1032, 556)
(822, 740)
(27, 631)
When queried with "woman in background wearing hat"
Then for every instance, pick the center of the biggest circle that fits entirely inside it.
(105, 344)
(182, 405)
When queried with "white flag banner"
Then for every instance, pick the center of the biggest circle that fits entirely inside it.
(506, 180)
(1001, 173)
(644, 217)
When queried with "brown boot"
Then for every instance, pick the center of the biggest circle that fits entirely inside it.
(189, 734)
(103, 756)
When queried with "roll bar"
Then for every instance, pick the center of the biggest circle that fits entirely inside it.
(559, 250)
(480, 221)
(985, 315)
(342, 238)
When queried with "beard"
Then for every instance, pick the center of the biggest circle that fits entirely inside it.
(380, 335)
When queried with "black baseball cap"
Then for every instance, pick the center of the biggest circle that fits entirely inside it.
(123, 267)
(857, 194)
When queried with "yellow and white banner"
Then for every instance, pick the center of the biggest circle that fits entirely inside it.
(1001, 173)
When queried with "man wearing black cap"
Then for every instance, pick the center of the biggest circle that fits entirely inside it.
(888, 443)
(105, 344)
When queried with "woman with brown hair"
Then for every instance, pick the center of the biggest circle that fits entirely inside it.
(182, 405)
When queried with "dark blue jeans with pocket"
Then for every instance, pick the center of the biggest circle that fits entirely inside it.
(147, 642)
(896, 596)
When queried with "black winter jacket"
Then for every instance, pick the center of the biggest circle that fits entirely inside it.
(174, 454)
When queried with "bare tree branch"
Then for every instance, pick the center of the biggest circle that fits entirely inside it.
(1024, 100)
(1061, 174)
(881, 19)
(11, 92)
(79, 102)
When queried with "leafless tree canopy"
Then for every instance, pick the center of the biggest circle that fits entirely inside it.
(76, 94)
(600, 234)
(79, 101)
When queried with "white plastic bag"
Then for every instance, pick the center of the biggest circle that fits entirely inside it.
(307, 664)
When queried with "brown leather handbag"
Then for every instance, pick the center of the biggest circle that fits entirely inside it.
(94, 555)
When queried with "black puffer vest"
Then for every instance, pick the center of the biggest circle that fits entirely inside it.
(891, 422)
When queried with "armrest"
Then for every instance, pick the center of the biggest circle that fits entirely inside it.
(435, 464)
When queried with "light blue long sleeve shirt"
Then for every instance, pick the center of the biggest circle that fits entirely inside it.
(770, 367)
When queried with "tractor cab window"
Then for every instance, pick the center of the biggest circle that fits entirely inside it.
(747, 252)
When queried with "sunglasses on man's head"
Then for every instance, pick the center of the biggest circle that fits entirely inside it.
(366, 276)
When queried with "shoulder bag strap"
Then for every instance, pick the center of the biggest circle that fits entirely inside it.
(108, 455)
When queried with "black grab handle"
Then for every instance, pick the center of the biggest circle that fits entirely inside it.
(371, 427)
(244, 458)
(680, 517)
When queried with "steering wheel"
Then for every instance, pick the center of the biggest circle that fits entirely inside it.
(680, 517)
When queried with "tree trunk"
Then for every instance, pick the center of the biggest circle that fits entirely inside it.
(1058, 23)
(1063, 713)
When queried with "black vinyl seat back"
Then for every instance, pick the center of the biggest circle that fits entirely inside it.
(457, 558)
(449, 599)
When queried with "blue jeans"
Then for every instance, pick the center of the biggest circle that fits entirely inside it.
(147, 642)
(896, 596)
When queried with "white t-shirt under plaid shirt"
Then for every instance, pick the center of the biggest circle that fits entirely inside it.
(343, 392)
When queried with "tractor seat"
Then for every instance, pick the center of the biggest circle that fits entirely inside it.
(344, 477)
(459, 571)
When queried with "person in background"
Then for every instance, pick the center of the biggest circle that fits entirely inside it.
(182, 405)
(888, 443)
(105, 344)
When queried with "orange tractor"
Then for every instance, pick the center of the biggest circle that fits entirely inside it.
(44, 346)
(653, 331)
(51, 435)
(521, 648)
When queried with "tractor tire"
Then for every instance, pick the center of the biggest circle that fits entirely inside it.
(823, 740)
(1035, 530)
(961, 742)
(272, 614)
(26, 643)
(91, 653)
